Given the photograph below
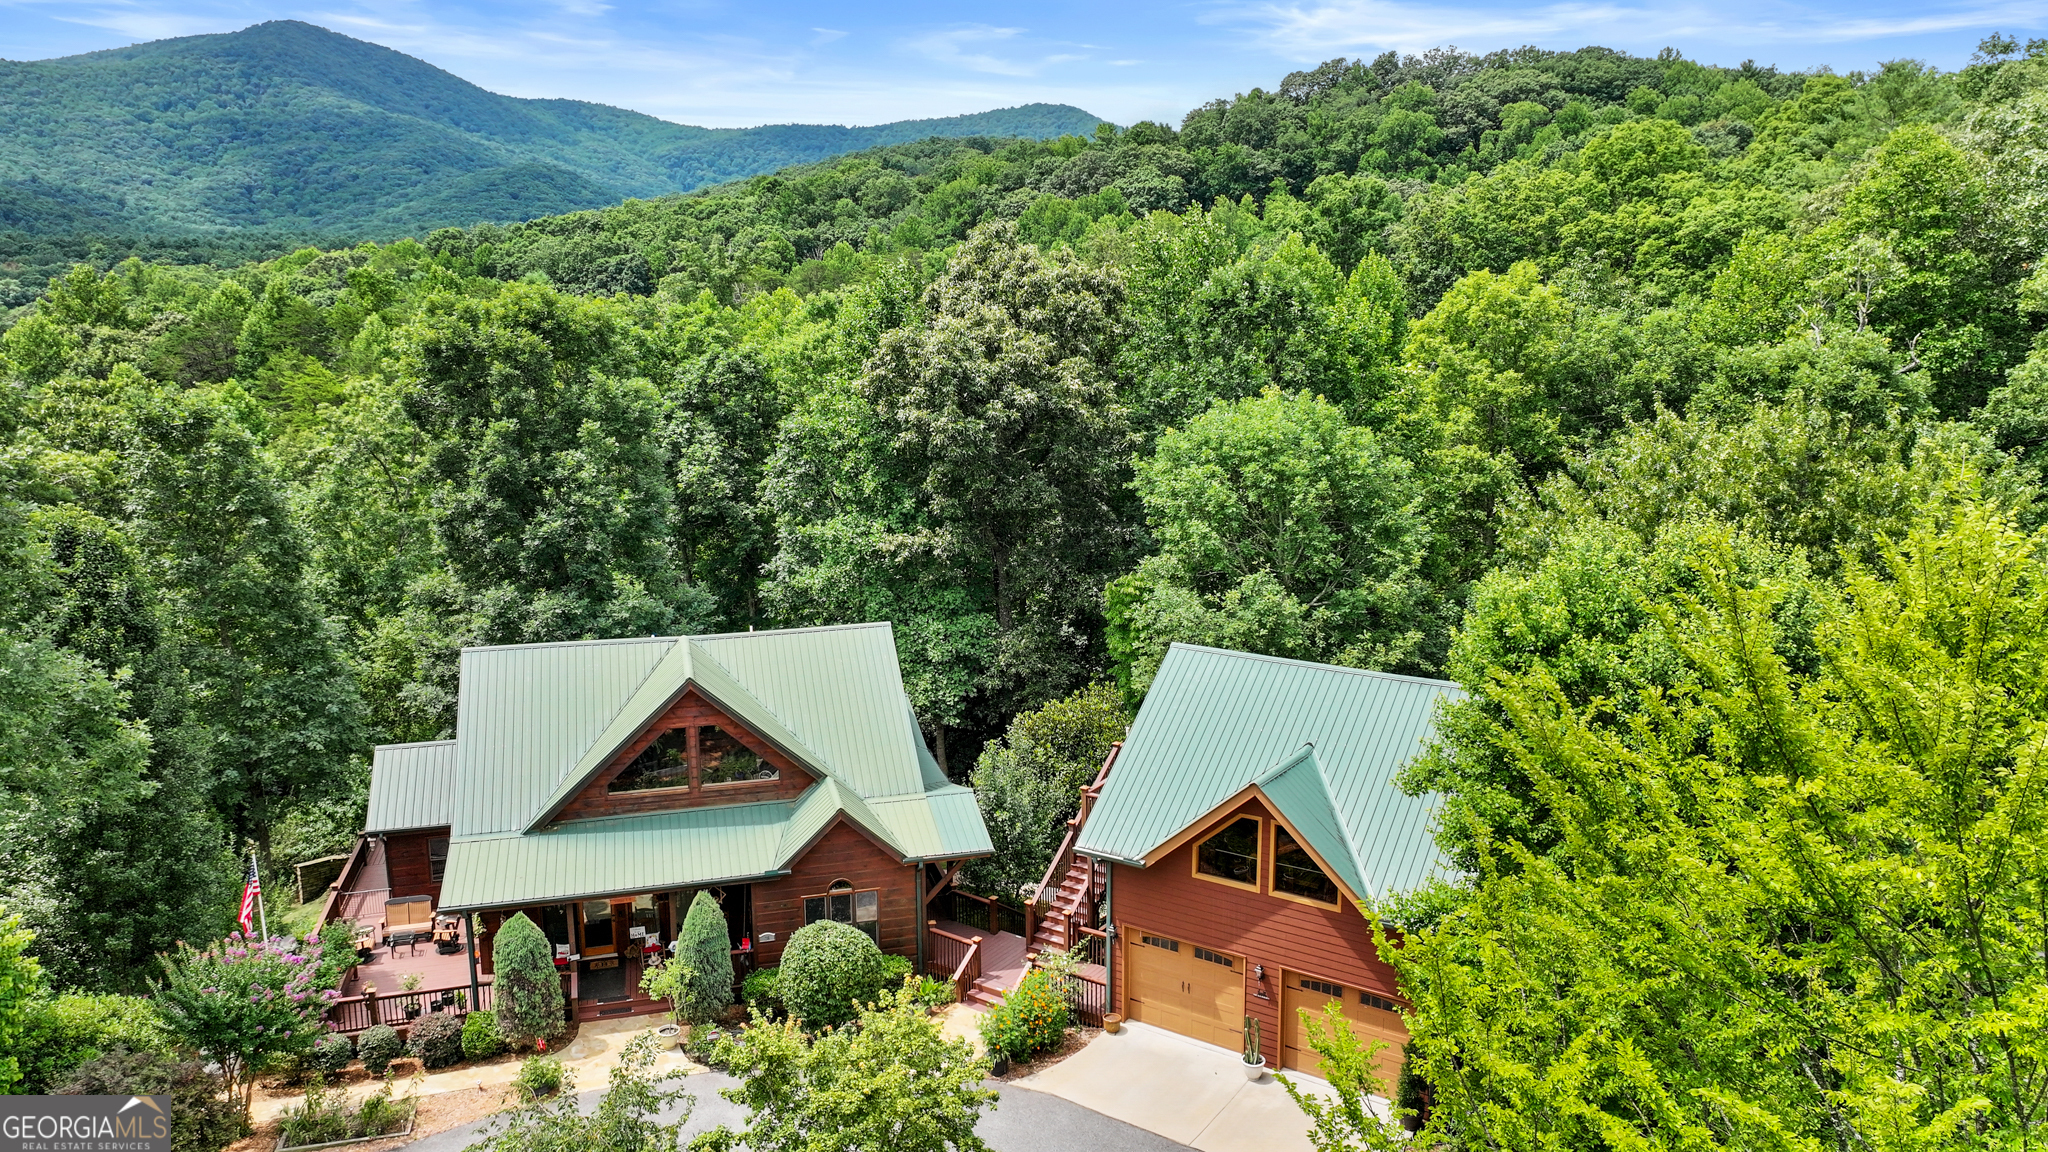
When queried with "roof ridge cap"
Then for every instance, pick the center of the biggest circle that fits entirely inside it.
(1316, 665)
(571, 643)
(792, 631)
(414, 744)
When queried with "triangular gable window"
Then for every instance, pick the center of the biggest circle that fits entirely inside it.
(662, 764)
(1295, 872)
(719, 756)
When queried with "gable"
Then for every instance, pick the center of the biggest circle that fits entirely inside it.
(1217, 721)
(692, 721)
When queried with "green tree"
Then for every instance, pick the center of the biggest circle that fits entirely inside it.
(528, 990)
(21, 990)
(706, 952)
(893, 1082)
(1281, 529)
(245, 1004)
(627, 1117)
(1840, 866)
(1029, 781)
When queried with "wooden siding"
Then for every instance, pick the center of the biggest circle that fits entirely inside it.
(405, 859)
(688, 712)
(1284, 935)
(842, 853)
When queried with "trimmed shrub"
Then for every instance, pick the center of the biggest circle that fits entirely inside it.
(763, 991)
(706, 954)
(437, 1040)
(331, 1053)
(480, 1039)
(828, 971)
(1032, 1018)
(379, 1045)
(529, 993)
(202, 1118)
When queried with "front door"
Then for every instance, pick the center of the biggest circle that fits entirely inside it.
(600, 928)
(1369, 1016)
(1185, 988)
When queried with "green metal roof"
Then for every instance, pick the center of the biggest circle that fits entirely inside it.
(1215, 722)
(411, 786)
(538, 722)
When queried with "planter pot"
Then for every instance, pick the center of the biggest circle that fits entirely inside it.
(1112, 1023)
(671, 1035)
(1254, 1071)
(1001, 1067)
(1412, 1123)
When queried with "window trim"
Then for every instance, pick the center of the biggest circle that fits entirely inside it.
(844, 888)
(697, 758)
(1217, 829)
(689, 783)
(1273, 873)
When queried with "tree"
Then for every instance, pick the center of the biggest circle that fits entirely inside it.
(706, 953)
(1840, 866)
(828, 970)
(269, 708)
(529, 991)
(1028, 784)
(21, 988)
(244, 1003)
(552, 497)
(1282, 529)
(893, 1082)
(1345, 1123)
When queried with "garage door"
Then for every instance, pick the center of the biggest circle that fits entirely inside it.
(1185, 988)
(1372, 1017)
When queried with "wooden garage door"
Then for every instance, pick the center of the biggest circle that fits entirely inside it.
(1371, 1017)
(1185, 988)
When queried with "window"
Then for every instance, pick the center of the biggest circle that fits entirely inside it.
(1323, 986)
(724, 760)
(840, 902)
(1379, 1002)
(1162, 942)
(665, 764)
(1295, 872)
(437, 858)
(1215, 958)
(1232, 854)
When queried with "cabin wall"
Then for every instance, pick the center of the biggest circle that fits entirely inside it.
(693, 709)
(843, 853)
(1168, 899)
(405, 861)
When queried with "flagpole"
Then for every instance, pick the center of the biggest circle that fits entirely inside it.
(260, 909)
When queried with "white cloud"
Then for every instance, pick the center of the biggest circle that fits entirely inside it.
(825, 36)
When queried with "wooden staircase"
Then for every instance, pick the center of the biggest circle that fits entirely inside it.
(1071, 905)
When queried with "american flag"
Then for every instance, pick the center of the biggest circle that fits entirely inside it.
(250, 890)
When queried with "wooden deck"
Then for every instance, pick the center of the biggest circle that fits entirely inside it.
(1005, 957)
(387, 966)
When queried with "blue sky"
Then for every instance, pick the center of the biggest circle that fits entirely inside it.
(734, 63)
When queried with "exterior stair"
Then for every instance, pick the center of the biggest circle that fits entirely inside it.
(1075, 897)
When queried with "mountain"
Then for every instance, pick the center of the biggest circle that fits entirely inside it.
(289, 127)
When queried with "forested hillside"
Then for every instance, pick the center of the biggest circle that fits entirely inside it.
(1691, 417)
(291, 128)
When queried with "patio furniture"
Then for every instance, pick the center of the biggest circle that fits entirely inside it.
(408, 921)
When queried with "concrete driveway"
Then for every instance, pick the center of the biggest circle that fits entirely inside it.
(1191, 1093)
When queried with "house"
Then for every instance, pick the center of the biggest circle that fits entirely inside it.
(1249, 815)
(599, 786)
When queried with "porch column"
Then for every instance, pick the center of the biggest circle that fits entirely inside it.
(469, 923)
(920, 917)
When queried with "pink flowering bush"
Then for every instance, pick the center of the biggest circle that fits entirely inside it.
(246, 1003)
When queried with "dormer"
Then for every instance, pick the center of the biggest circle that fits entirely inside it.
(693, 755)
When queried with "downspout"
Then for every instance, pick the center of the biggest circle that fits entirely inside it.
(920, 917)
(1109, 945)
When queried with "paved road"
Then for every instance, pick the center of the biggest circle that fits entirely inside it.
(1023, 1121)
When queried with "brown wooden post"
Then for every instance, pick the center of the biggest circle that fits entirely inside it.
(469, 923)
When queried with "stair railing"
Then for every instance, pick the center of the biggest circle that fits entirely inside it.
(1061, 859)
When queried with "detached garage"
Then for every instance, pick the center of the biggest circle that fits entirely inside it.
(1248, 818)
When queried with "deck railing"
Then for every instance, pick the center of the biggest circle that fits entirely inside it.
(983, 912)
(1089, 998)
(1061, 859)
(954, 958)
(352, 1014)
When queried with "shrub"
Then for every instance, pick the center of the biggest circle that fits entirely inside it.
(246, 1004)
(202, 1120)
(529, 993)
(539, 1076)
(706, 954)
(627, 1117)
(828, 971)
(21, 985)
(1032, 1018)
(331, 1053)
(62, 1032)
(895, 970)
(379, 1045)
(437, 1040)
(337, 955)
(480, 1039)
(326, 1116)
(762, 991)
(932, 992)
